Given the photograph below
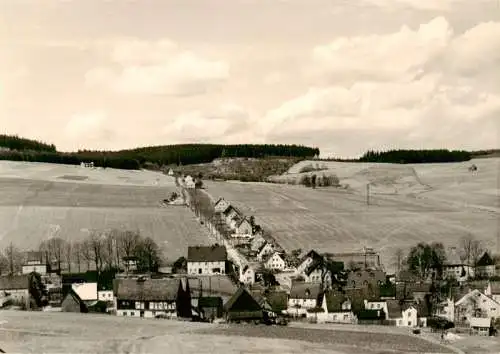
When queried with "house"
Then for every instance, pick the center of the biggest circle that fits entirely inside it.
(306, 261)
(105, 295)
(365, 258)
(485, 267)
(275, 260)
(413, 291)
(493, 290)
(480, 326)
(265, 249)
(247, 274)
(243, 227)
(87, 292)
(146, 297)
(210, 285)
(456, 268)
(16, 288)
(210, 307)
(278, 301)
(475, 304)
(34, 263)
(446, 310)
(376, 305)
(257, 242)
(221, 205)
(336, 308)
(55, 297)
(73, 303)
(370, 279)
(189, 182)
(230, 214)
(243, 307)
(206, 260)
(130, 263)
(303, 296)
(404, 314)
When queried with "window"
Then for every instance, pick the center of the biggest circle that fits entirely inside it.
(371, 306)
(346, 316)
(132, 314)
(378, 306)
(200, 270)
(409, 323)
(124, 313)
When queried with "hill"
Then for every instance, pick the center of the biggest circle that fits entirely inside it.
(40, 200)
(151, 157)
(408, 204)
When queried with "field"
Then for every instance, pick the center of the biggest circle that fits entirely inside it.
(38, 332)
(408, 204)
(42, 200)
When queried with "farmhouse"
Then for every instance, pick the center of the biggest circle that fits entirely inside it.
(365, 279)
(230, 214)
(475, 304)
(336, 308)
(221, 205)
(265, 249)
(404, 315)
(456, 268)
(243, 227)
(146, 297)
(303, 296)
(210, 285)
(33, 262)
(275, 260)
(485, 267)
(243, 307)
(306, 261)
(210, 307)
(16, 288)
(206, 260)
(493, 290)
(73, 303)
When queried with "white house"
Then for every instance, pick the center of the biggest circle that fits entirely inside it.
(446, 310)
(221, 205)
(146, 297)
(336, 309)
(37, 268)
(275, 260)
(247, 275)
(105, 295)
(376, 305)
(406, 314)
(455, 267)
(189, 182)
(307, 261)
(480, 326)
(486, 266)
(493, 291)
(206, 260)
(243, 227)
(303, 297)
(475, 304)
(264, 250)
(86, 291)
(257, 242)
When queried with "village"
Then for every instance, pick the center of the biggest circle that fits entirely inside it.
(244, 276)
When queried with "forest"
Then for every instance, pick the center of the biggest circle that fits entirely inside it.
(416, 156)
(20, 149)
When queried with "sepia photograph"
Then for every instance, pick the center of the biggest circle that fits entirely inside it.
(250, 176)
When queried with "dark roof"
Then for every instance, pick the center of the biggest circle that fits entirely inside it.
(409, 289)
(357, 296)
(32, 256)
(278, 300)
(302, 290)
(210, 301)
(334, 301)
(262, 246)
(316, 264)
(242, 301)
(243, 219)
(212, 253)
(422, 309)
(76, 297)
(147, 289)
(313, 254)
(14, 282)
(373, 277)
(485, 260)
(395, 308)
(211, 285)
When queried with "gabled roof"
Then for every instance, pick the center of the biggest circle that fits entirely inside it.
(241, 221)
(147, 290)
(312, 254)
(485, 260)
(34, 256)
(207, 253)
(263, 246)
(211, 285)
(14, 282)
(334, 301)
(242, 300)
(86, 291)
(278, 300)
(395, 308)
(81, 303)
(303, 290)
(270, 255)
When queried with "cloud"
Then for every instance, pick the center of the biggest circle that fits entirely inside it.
(228, 123)
(87, 127)
(424, 84)
(157, 68)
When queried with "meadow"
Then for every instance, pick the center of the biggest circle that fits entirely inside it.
(407, 204)
(39, 332)
(39, 200)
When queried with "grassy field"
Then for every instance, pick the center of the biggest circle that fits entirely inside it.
(41, 200)
(454, 203)
(22, 332)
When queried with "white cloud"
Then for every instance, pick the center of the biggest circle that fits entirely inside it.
(87, 127)
(382, 57)
(425, 83)
(228, 123)
(157, 68)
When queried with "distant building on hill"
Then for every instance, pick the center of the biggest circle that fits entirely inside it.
(366, 258)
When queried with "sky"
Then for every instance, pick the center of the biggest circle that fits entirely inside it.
(341, 75)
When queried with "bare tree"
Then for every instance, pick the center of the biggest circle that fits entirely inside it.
(14, 258)
(68, 254)
(76, 255)
(108, 250)
(398, 260)
(93, 249)
(54, 249)
(471, 250)
(127, 242)
(476, 252)
(4, 263)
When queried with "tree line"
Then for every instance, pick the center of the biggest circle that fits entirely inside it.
(183, 154)
(103, 251)
(416, 156)
(14, 142)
